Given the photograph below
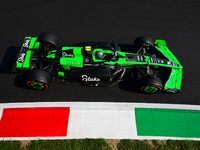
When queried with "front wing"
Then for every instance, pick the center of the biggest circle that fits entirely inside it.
(174, 82)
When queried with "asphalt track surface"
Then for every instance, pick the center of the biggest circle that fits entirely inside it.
(74, 21)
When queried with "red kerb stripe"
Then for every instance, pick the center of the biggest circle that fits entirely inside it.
(34, 122)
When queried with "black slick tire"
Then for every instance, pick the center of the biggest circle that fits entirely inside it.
(143, 40)
(150, 84)
(38, 79)
(48, 38)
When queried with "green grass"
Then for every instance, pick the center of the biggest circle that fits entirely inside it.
(184, 145)
(89, 144)
(136, 144)
(10, 145)
(158, 145)
(100, 144)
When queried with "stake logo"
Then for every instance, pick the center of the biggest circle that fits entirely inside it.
(86, 78)
(26, 43)
(64, 54)
(21, 58)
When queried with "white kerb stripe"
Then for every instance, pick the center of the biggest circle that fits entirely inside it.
(108, 124)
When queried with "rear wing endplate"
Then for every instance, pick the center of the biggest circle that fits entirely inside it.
(23, 60)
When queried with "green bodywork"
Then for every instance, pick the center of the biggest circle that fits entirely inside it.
(33, 44)
(127, 60)
(61, 74)
(76, 61)
(175, 78)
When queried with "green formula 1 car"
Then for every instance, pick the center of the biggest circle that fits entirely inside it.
(100, 64)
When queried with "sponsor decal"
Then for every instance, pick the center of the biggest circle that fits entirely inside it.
(26, 43)
(91, 64)
(160, 61)
(169, 63)
(21, 58)
(64, 54)
(141, 58)
(136, 58)
(87, 60)
(23, 50)
(50, 55)
(147, 58)
(88, 49)
(86, 78)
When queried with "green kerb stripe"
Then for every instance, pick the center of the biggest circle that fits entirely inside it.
(168, 122)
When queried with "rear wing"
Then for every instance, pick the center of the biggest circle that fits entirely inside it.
(173, 84)
(23, 60)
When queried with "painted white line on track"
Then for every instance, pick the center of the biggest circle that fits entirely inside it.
(99, 105)
(106, 120)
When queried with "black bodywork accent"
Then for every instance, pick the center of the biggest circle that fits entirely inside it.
(101, 75)
(91, 74)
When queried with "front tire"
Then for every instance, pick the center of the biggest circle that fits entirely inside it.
(139, 41)
(150, 84)
(143, 45)
(38, 79)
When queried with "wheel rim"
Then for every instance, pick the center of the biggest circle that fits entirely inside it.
(37, 85)
(150, 89)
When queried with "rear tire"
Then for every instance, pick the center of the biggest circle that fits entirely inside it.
(48, 38)
(151, 84)
(38, 79)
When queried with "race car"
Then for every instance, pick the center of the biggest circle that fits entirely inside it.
(99, 64)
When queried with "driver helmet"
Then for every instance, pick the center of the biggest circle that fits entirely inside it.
(100, 54)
